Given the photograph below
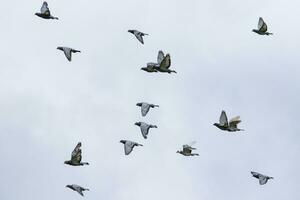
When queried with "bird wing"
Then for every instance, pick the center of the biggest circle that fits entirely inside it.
(145, 109)
(263, 180)
(234, 121)
(187, 149)
(144, 129)
(68, 53)
(160, 56)
(76, 154)
(45, 8)
(139, 36)
(223, 118)
(128, 147)
(262, 26)
(166, 62)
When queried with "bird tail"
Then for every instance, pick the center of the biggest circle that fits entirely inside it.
(154, 126)
(75, 51)
(267, 33)
(85, 163)
(173, 71)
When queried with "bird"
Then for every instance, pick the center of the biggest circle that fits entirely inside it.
(262, 28)
(68, 52)
(231, 126)
(145, 107)
(145, 128)
(139, 35)
(76, 157)
(77, 188)
(164, 63)
(263, 179)
(45, 12)
(129, 145)
(187, 150)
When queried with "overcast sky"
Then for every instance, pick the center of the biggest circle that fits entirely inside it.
(49, 104)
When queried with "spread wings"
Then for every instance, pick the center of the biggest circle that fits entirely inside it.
(262, 26)
(166, 62)
(234, 122)
(223, 118)
(139, 36)
(145, 109)
(160, 57)
(76, 154)
(68, 53)
(45, 9)
(128, 147)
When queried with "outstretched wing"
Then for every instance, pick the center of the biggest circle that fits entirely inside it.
(187, 148)
(160, 56)
(223, 118)
(76, 154)
(262, 26)
(128, 147)
(45, 9)
(263, 180)
(68, 53)
(145, 109)
(234, 121)
(144, 130)
(139, 36)
(166, 62)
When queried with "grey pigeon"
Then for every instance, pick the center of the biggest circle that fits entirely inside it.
(164, 63)
(145, 128)
(139, 35)
(262, 28)
(45, 12)
(263, 179)
(145, 107)
(77, 188)
(129, 145)
(68, 52)
(76, 157)
(231, 126)
(187, 150)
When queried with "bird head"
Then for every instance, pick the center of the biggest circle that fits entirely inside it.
(68, 186)
(216, 124)
(60, 48)
(144, 68)
(67, 162)
(139, 104)
(122, 141)
(177, 151)
(130, 31)
(137, 123)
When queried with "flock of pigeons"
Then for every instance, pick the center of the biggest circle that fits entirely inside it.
(162, 65)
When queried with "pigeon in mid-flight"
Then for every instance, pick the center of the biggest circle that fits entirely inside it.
(262, 28)
(145, 107)
(263, 179)
(145, 128)
(77, 188)
(231, 126)
(164, 63)
(45, 12)
(76, 157)
(187, 150)
(68, 52)
(129, 145)
(139, 35)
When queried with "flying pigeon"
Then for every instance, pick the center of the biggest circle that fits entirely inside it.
(129, 145)
(263, 179)
(77, 188)
(145, 128)
(139, 35)
(187, 150)
(45, 12)
(231, 126)
(262, 28)
(164, 63)
(76, 157)
(68, 52)
(145, 107)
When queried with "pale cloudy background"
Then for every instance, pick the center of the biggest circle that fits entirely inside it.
(49, 104)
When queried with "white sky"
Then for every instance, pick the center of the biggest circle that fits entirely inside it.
(49, 104)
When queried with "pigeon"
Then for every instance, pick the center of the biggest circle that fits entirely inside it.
(77, 188)
(145, 128)
(145, 107)
(68, 52)
(231, 126)
(129, 145)
(139, 35)
(263, 179)
(262, 28)
(45, 12)
(76, 157)
(164, 63)
(187, 150)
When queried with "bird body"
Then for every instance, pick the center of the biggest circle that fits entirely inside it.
(187, 150)
(145, 128)
(263, 179)
(68, 52)
(129, 145)
(139, 35)
(145, 107)
(76, 157)
(45, 12)
(77, 188)
(225, 126)
(262, 28)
